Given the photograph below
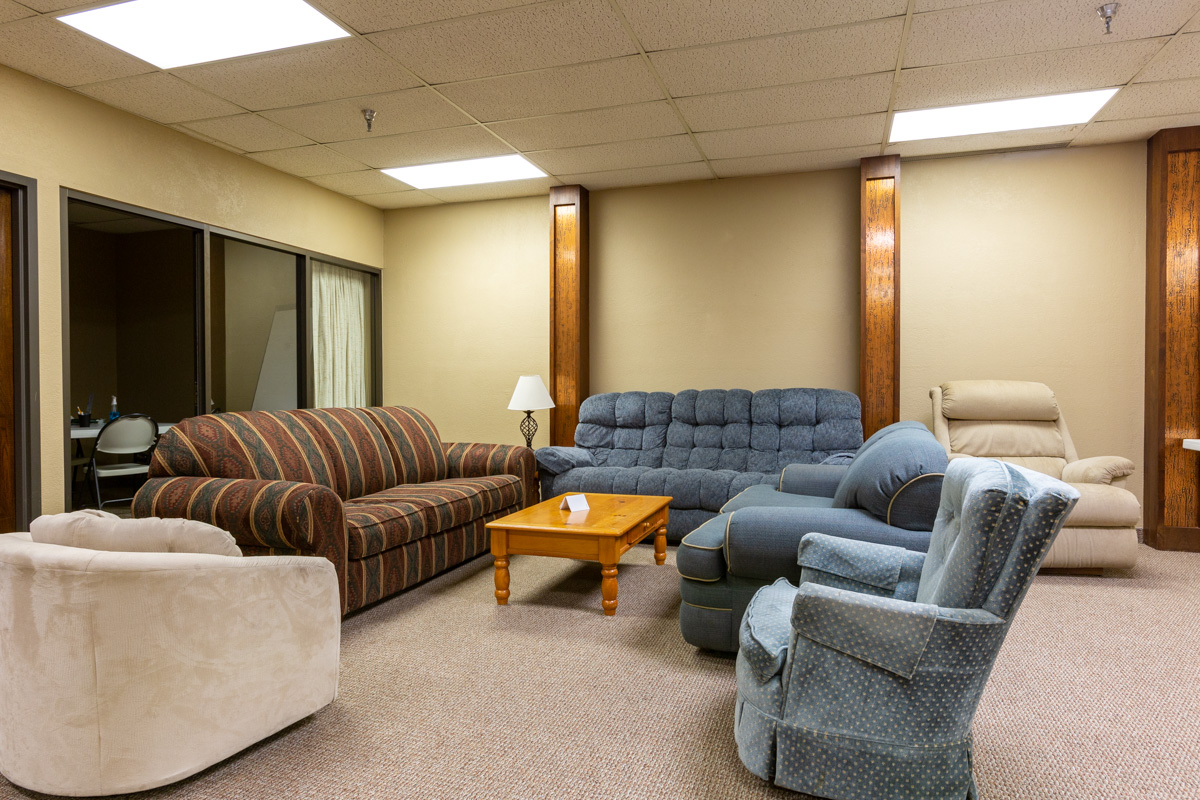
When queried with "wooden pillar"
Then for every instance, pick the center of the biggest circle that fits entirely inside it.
(879, 337)
(569, 364)
(1171, 499)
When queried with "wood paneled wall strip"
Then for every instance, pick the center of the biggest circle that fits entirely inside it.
(879, 342)
(569, 365)
(1171, 507)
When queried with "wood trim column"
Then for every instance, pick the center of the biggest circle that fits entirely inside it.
(8, 365)
(879, 332)
(1171, 496)
(569, 365)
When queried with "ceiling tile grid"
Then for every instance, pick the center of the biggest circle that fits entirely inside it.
(249, 132)
(424, 147)
(365, 181)
(161, 97)
(617, 155)
(390, 200)
(56, 52)
(10, 11)
(809, 161)
(305, 161)
(493, 191)
(821, 134)
(369, 16)
(641, 176)
(596, 126)
(406, 111)
(797, 102)
(1179, 59)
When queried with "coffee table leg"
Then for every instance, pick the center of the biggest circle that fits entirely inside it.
(502, 580)
(608, 588)
(660, 546)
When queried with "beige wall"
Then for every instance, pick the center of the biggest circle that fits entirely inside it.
(465, 313)
(1030, 266)
(63, 139)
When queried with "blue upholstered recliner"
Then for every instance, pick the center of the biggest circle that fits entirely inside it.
(888, 493)
(862, 683)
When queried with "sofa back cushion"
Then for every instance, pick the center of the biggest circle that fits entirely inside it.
(413, 441)
(357, 452)
(1014, 421)
(733, 429)
(898, 479)
(255, 445)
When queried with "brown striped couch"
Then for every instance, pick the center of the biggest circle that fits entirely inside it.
(374, 490)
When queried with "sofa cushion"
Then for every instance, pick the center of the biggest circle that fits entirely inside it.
(688, 488)
(766, 495)
(98, 530)
(701, 554)
(895, 465)
(414, 443)
(1104, 506)
(253, 445)
(405, 513)
(357, 452)
(999, 400)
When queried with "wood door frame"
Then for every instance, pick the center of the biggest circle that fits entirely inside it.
(25, 347)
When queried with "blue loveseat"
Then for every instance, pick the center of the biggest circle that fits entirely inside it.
(699, 447)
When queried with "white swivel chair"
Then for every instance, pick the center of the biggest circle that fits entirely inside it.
(128, 435)
(134, 653)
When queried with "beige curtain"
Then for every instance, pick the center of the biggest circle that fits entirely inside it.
(341, 351)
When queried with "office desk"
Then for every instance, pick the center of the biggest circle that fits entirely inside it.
(93, 430)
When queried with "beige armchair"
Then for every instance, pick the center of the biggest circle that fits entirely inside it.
(1020, 422)
(123, 671)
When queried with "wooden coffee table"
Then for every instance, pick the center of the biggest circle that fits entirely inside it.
(614, 523)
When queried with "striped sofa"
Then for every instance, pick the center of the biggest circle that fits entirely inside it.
(374, 490)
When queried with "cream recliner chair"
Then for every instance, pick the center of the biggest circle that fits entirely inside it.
(122, 671)
(1020, 422)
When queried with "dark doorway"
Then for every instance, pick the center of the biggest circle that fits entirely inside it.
(8, 362)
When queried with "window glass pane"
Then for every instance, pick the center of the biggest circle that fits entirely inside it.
(343, 339)
(254, 324)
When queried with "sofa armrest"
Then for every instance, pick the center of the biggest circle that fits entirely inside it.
(762, 542)
(473, 460)
(281, 517)
(1100, 469)
(877, 569)
(815, 480)
(557, 460)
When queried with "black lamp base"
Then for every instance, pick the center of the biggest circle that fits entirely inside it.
(529, 428)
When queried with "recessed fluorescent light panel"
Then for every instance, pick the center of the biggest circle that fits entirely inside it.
(465, 173)
(175, 33)
(1003, 115)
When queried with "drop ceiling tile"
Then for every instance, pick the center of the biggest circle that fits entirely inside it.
(639, 121)
(54, 51)
(364, 181)
(306, 161)
(556, 91)
(249, 132)
(793, 58)
(1194, 25)
(1162, 99)
(10, 11)
(423, 147)
(493, 191)
(396, 112)
(644, 176)
(1132, 130)
(668, 24)
(843, 97)
(390, 200)
(207, 140)
(161, 97)
(1030, 26)
(820, 134)
(1179, 59)
(793, 162)
(369, 16)
(922, 6)
(46, 6)
(1095, 67)
(1041, 137)
(313, 74)
(617, 155)
(520, 39)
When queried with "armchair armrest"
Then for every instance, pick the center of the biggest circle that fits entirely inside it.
(815, 480)
(557, 460)
(762, 542)
(1100, 469)
(272, 517)
(868, 567)
(888, 633)
(472, 460)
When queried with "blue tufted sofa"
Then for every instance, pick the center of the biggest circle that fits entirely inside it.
(699, 447)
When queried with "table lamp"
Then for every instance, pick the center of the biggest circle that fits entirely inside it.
(529, 396)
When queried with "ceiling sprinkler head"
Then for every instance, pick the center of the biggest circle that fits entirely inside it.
(1107, 12)
(369, 116)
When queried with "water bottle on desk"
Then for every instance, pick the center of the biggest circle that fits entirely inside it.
(113, 414)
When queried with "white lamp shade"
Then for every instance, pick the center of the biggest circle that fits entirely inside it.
(530, 394)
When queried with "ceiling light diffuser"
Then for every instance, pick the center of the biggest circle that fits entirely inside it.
(465, 173)
(1003, 115)
(176, 33)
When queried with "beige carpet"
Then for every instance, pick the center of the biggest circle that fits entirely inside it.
(445, 695)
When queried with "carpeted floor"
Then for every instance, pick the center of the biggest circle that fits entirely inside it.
(445, 695)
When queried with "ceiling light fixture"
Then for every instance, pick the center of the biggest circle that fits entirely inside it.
(176, 33)
(465, 173)
(1003, 115)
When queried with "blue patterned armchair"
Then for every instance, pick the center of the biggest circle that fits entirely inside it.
(862, 684)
